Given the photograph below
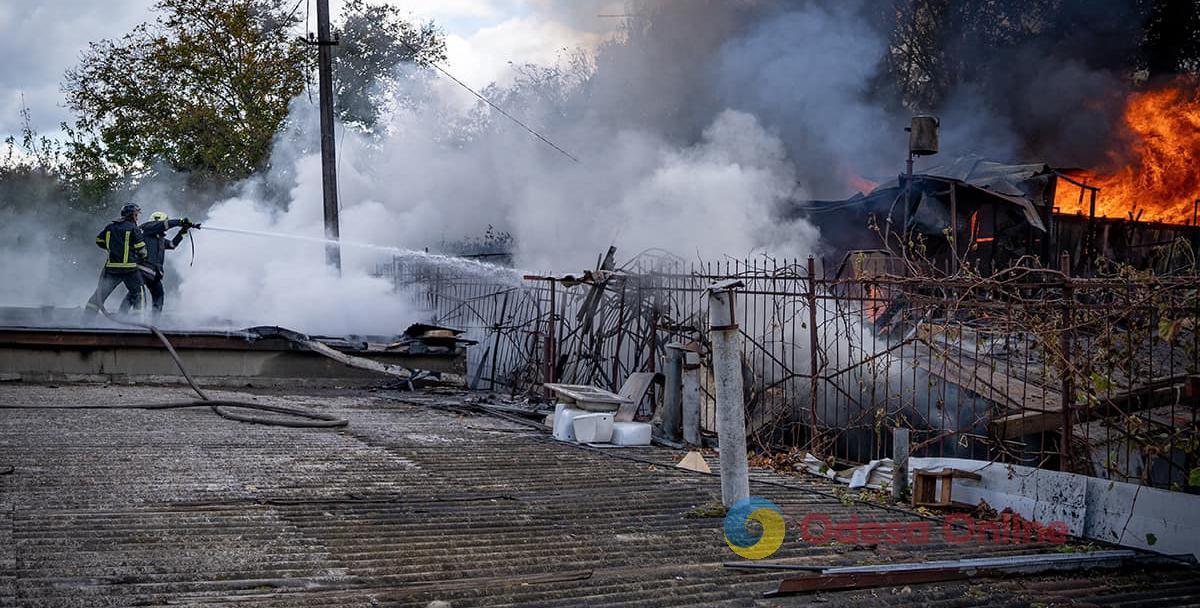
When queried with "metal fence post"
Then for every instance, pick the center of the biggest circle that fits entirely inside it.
(499, 326)
(1068, 380)
(551, 346)
(814, 432)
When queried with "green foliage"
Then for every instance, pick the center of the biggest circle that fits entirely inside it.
(29, 168)
(708, 510)
(37, 177)
(1101, 383)
(374, 40)
(204, 89)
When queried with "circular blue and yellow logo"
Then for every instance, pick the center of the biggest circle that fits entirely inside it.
(750, 544)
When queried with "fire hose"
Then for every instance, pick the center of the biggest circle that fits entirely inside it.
(221, 407)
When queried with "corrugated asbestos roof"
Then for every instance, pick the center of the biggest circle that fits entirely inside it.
(410, 504)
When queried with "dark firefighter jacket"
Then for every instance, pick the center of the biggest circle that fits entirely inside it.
(156, 240)
(124, 243)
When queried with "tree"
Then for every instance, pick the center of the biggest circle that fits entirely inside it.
(30, 169)
(43, 206)
(937, 45)
(204, 89)
(1172, 40)
(375, 40)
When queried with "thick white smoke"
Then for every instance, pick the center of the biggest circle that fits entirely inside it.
(43, 265)
(689, 136)
(416, 188)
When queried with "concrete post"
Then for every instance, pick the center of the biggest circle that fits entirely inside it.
(672, 393)
(691, 398)
(727, 367)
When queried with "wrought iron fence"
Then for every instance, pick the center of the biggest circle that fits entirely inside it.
(1096, 376)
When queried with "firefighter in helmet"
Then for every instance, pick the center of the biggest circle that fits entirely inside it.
(123, 241)
(157, 245)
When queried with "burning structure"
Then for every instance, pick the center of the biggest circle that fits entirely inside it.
(991, 215)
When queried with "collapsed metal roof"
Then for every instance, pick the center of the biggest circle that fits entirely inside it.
(979, 180)
(996, 178)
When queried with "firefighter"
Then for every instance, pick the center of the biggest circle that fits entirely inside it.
(157, 245)
(123, 241)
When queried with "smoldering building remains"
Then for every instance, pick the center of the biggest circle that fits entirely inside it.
(993, 215)
(992, 309)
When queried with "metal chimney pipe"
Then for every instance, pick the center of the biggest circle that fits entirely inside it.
(731, 414)
(672, 393)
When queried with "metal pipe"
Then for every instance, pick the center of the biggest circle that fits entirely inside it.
(954, 227)
(1018, 562)
(731, 414)
(908, 173)
(691, 398)
(669, 421)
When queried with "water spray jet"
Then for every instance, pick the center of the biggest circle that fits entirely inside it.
(456, 263)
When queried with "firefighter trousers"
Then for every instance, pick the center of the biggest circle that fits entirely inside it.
(109, 280)
(157, 295)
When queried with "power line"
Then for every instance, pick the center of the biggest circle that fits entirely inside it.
(294, 9)
(499, 109)
(307, 37)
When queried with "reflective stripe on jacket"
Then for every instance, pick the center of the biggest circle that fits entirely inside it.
(124, 243)
(155, 233)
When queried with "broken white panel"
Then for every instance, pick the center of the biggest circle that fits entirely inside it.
(876, 475)
(1128, 514)
(1134, 515)
(1038, 494)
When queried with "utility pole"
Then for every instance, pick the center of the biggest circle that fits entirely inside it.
(325, 43)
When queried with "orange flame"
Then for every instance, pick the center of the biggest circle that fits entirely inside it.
(1161, 180)
(860, 183)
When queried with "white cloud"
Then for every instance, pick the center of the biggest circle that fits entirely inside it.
(488, 55)
(446, 10)
(39, 40)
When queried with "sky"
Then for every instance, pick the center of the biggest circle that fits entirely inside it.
(41, 39)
